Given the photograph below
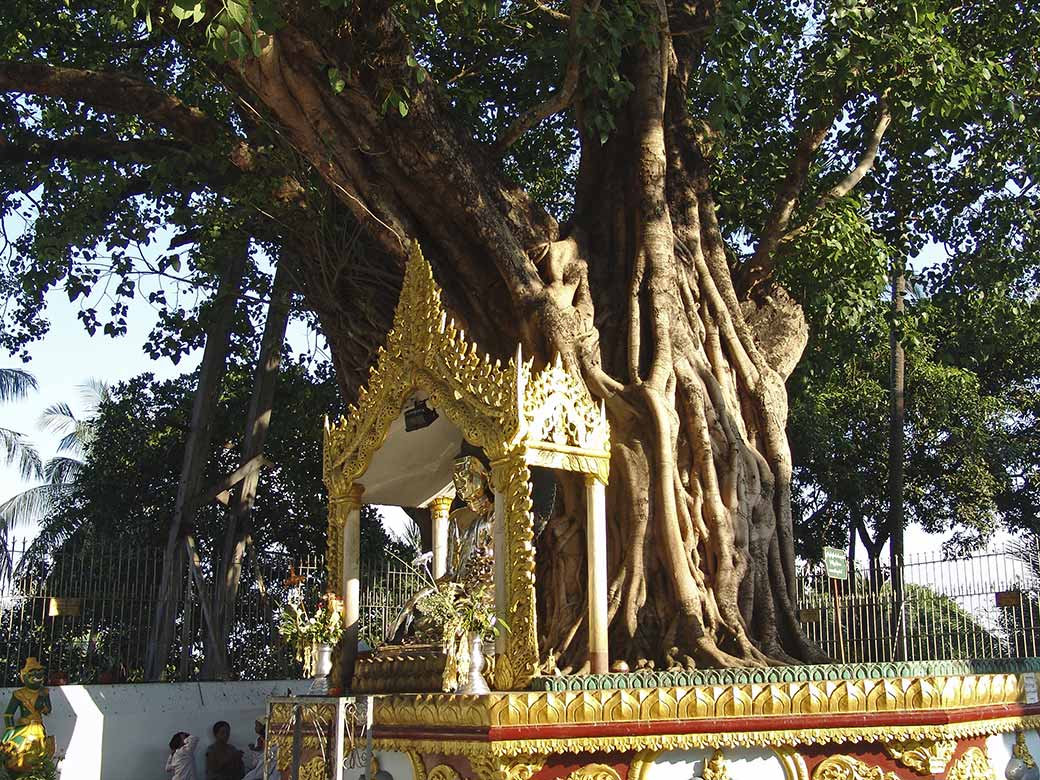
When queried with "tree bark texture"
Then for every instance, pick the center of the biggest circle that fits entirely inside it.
(636, 292)
(238, 534)
(177, 552)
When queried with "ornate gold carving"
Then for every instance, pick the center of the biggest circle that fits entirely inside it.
(510, 477)
(594, 772)
(849, 768)
(641, 763)
(400, 669)
(313, 769)
(443, 772)
(537, 708)
(1021, 750)
(924, 757)
(517, 418)
(565, 430)
(490, 766)
(716, 767)
(973, 765)
(418, 765)
(793, 764)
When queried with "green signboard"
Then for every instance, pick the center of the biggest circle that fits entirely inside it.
(836, 563)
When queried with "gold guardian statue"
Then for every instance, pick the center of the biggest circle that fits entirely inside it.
(25, 741)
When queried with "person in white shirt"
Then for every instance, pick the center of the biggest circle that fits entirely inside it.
(256, 770)
(181, 763)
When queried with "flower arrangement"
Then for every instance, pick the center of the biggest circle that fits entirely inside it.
(306, 631)
(451, 613)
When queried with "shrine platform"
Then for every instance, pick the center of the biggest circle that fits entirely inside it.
(950, 720)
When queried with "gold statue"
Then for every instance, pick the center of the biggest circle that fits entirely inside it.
(473, 555)
(26, 741)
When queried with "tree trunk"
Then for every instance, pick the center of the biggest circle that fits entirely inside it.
(896, 448)
(238, 534)
(176, 556)
(639, 295)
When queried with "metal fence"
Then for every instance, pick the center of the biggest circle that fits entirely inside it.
(983, 606)
(86, 612)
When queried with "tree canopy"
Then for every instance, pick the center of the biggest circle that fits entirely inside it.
(669, 195)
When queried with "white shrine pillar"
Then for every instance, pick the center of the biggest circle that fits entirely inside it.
(596, 541)
(350, 576)
(440, 508)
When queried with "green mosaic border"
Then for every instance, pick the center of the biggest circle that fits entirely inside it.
(782, 674)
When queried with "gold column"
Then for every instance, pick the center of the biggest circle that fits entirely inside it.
(439, 509)
(516, 660)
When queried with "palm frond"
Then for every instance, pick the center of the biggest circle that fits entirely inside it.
(93, 394)
(61, 470)
(16, 449)
(58, 418)
(410, 536)
(52, 536)
(30, 506)
(15, 383)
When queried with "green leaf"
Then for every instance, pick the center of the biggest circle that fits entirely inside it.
(336, 81)
(402, 107)
(237, 11)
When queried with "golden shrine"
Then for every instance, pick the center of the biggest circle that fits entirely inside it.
(972, 720)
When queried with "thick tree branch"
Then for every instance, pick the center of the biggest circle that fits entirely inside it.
(856, 175)
(116, 93)
(560, 99)
(39, 149)
(760, 267)
(560, 18)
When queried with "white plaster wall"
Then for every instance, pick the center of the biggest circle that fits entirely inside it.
(742, 764)
(998, 750)
(122, 732)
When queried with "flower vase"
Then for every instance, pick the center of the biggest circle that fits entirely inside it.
(475, 683)
(322, 666)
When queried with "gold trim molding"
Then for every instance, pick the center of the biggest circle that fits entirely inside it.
(793, 763)
(547, 708)
(730, 739)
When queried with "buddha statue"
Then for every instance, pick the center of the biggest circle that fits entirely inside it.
(471, 558)
(472, 526)
(25, 738)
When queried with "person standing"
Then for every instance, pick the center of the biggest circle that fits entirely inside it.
(223, 760)
(181, 763)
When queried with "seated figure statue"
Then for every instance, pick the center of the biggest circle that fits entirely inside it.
(472, 526)
(25, 738)
(471, 557)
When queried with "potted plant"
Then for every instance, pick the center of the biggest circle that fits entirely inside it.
(313, 635)
(461, 619)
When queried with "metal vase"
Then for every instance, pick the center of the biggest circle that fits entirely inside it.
(475, 683)
(322, 666)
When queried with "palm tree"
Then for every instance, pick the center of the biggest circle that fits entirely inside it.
(59, 473)
(15, 385)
